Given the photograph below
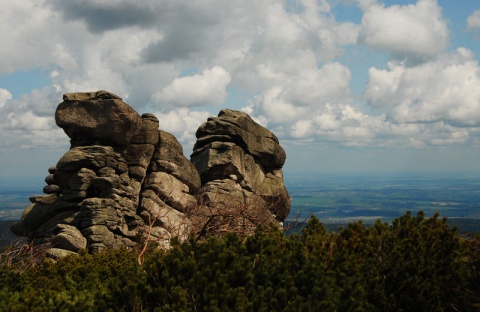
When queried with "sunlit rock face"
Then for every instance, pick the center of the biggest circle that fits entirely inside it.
(123, 179)
(100, 118)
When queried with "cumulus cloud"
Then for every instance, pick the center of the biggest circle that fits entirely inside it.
(414, 31)
(29, 31)
(5, 95)
(100, 16)
(434, 103)
(96, 44)
(365, 4)
(313, 107)
(29, 122)
(207, 88)
(287, 43)
(444, 89)
(473, 24)
(296, 96)
(183, 124)
(473, 21)
(341, 124)
(291, 99)
(286, 59)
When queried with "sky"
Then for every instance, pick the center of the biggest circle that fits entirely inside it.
(346, 85)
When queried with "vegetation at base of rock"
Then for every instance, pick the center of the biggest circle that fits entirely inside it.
(414, 264)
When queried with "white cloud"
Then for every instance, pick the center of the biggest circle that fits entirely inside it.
(142, 47)
(207, 88)
(473, 21)
(309, 90)
(414, 31)
(112, 62)
(183, 124)
(446, 88)
(301, 128)
(288, 60)
(30, 31)
(280, 29)
(430, 104)
(276, 108)
(30, 121)
(310, 107)
(5, 95)
(286, 43)
(473, 24)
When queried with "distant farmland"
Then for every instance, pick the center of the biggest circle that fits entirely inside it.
(339, 199)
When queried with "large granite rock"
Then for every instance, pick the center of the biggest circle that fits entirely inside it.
(240, 163)
(124, 179)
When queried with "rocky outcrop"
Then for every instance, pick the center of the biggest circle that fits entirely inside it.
(240, 164)
(124, 179)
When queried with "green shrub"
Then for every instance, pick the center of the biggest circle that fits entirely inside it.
(86, 282)
(414, 264)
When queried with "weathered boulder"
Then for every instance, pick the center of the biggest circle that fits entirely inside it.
(57, 253)
(43, 209)
(275, 194)
(173, 192)
(97, 118)
(148, 133)
(68, 238)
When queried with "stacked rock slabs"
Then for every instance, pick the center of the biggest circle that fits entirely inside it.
(108, 190)
(123, 179)
(240, 164)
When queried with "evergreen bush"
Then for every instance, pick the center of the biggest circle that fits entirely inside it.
(414, 264)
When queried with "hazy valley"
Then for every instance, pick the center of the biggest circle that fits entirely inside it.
(343, 198)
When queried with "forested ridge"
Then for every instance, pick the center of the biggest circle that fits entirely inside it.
(414, 264)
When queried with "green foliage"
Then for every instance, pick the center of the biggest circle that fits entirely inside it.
(471, 260)
(414, 264)
(99, 282)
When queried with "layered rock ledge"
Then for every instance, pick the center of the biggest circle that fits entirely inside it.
(124, 179)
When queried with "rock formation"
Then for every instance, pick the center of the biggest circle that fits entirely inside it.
(124, 179)
(240, 164)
